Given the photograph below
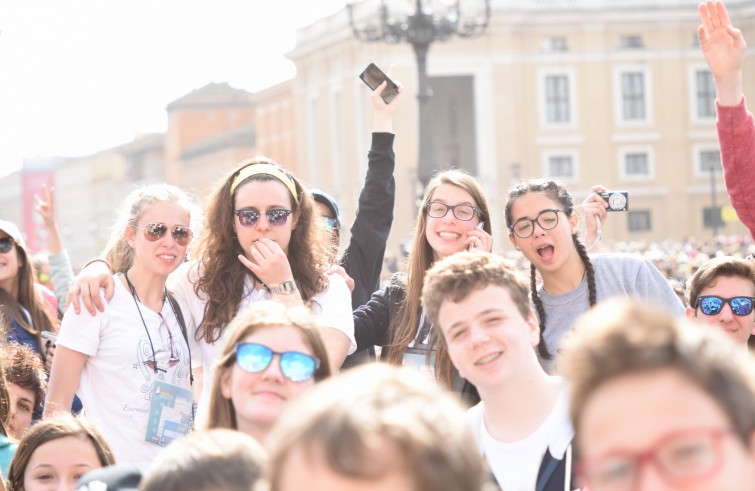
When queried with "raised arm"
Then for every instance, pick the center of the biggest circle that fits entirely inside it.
(363, 260)
(724, 47)
(60, 265)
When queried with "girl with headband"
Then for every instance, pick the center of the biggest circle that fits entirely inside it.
(262, 240)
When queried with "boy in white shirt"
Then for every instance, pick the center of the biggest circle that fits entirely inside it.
(480, 304)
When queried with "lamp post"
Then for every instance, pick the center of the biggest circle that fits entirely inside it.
(419, 23)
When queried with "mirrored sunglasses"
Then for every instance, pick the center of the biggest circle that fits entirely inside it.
(156, 231)
(331, 223)
(712, 305)
(295, 366)
(6, 244)
(276, 218)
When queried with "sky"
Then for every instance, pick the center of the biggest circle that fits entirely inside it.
(80, 76)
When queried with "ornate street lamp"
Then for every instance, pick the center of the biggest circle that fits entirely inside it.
(419, 23)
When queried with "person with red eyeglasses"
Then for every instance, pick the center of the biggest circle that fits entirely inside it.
(659, 403)
(131, 365)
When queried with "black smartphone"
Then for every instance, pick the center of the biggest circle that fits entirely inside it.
(374, 76)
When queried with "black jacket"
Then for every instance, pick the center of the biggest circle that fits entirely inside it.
(363, 258)
(372, 326)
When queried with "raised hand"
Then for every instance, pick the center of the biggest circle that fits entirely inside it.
(724, 48)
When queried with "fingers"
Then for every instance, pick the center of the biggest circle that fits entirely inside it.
(702, 35)
(246, 262)
(721, 14)
(72, 297)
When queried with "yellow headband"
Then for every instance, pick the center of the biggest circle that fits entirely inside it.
(270, 170)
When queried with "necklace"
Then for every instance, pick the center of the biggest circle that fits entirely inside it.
(135, 296)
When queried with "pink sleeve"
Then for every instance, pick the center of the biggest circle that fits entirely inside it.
(736, 137)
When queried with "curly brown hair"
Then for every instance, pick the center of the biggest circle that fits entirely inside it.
(221, 275)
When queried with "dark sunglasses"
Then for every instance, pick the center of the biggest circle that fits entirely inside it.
(276, 218)
(295, 366)
(6, 244)
(156, 231)
(712, 305)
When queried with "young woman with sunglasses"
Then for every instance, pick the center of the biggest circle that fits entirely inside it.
(262, 241)
(131, 364)
(23, 314)
(270, 355)
(543, 226)
(453, 217)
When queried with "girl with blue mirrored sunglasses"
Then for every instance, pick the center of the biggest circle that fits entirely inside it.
(295, 366)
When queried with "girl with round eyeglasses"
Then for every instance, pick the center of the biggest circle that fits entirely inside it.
(543, 225)
(131, 365)
(453, 217)
(271, 354)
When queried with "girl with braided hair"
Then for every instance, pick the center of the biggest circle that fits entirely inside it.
(543, 225)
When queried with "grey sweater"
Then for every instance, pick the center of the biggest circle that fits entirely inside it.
(616, 275)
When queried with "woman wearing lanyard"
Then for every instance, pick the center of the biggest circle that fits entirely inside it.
(131, 365)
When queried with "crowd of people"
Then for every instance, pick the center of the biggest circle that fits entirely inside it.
(233, 348)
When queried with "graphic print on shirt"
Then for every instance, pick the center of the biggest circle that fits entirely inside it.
(170, 363)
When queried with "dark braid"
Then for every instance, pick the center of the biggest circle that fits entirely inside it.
(541, 348)
(589, 271)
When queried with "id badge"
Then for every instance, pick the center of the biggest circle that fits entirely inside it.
(417, 359)
(169, 413)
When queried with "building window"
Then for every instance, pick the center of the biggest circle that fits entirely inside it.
(557, 44)
(633, 95)
(636, 164)
(709, 160)
(561, 167)
(639, 221)
(705, 92)
(631, 42)
(557, 98)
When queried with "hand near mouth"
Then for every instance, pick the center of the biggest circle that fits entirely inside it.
(268, 262)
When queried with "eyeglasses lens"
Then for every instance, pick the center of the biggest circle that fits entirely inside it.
(435, 209)
(740, 306)
(248, 218)
(6, 244)
(295, 366)
(547, 220)
(156, 231)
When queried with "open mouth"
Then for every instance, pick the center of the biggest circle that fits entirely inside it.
(545, 252)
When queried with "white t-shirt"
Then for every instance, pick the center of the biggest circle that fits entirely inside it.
(116, 383)
(331, 307)
(515, 464)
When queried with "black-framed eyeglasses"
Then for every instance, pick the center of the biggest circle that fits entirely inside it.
(295, 366)
(436, 209)
(156, 231)
(525, 227)
(249, 217)
(682, 458)
(712, 305)
(6, 244)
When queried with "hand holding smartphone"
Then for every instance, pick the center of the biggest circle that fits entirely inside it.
(479, 226)
(374, 76)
